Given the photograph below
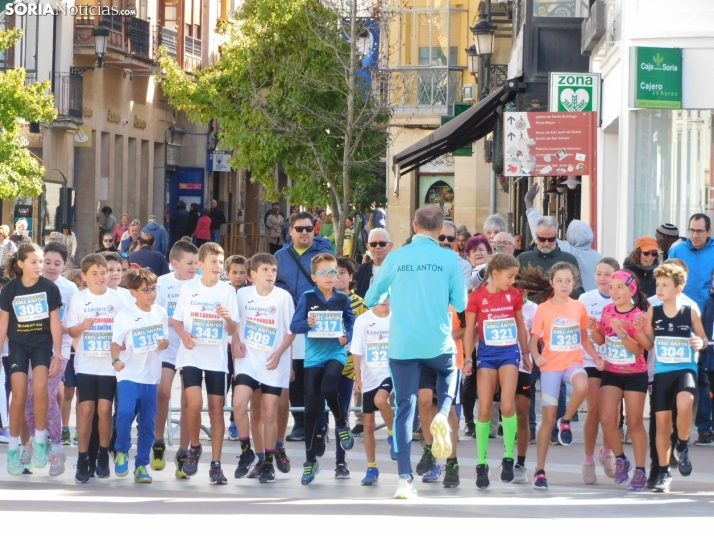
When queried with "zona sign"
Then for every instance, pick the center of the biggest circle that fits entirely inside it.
(574, 92)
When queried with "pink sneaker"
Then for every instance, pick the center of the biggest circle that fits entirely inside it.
(57, 463)
(608, 463)
(589, 473)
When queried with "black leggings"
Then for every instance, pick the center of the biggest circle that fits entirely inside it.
(321, 382)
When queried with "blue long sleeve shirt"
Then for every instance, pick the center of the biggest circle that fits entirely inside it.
(700, 262)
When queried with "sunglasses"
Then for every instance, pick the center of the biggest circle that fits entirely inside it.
(108, 241)
(380, 244)
(149, 290)
(547, 239)
(325, 273)
(307, 229)
(447, 238)
(650, 253)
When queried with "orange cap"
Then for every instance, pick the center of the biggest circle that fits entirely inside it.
(645, 243)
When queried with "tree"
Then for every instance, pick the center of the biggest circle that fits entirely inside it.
(288, 89)
(20, 172)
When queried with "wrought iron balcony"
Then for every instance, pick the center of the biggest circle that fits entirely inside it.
(68, 89)
(169, 39)
(427, 91)
(192, 54)
(138, 37)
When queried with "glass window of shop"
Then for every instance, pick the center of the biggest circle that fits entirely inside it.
(561, 8)
(673, 168)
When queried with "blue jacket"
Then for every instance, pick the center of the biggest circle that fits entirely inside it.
(161, 238)
(290, 277)
(706, 356)
(700, 262)
(421, 280)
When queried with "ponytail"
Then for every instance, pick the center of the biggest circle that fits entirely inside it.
(535, 282)
(12, 270)
(498, 263)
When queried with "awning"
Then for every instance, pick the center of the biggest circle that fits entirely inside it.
(464, 129)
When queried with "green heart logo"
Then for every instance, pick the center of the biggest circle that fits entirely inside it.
(658, 59)
(574, 101)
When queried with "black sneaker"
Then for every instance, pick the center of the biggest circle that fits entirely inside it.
(500, 430)
(215, 474)
(282, 461)
(684, 465)
(482, 481)
(298, 434)
(93, 466)
(427, 462)
(267, 473)
(663, 482)
(470, 429)
(190, 466)
(341, 470)
(451, 474)
(507, 470)
(245, 460)
(82, 474)
(179, 461)
(539, 480)
(652, 479)
(103, 470)
(347, 440)
(705, 440)
(320, 443)
(255, 470)
(358, 430)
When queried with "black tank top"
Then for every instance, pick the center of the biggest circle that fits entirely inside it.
(679, 326)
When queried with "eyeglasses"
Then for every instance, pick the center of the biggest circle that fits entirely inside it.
(697, 231)
(547, 238)
(307, 229)
(325, 273)
(504, 244)
(109, 241)
(380, 244)
(650, 253)
(148, 290)
(447, 238)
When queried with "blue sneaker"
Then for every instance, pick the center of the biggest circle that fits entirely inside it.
(371, 477)
(39, 457)
(142, 476)
(565, 434)
(347, 440)
(433, 475)
(121, 464)
(309, 472)
(392, 452)
(14, 466)
(232, 432)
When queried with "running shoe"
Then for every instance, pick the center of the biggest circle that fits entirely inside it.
(267, 473)
(426, 463)
(142, 476)
(15, 467)
(179, 461)
(358, 430)
(673, 463)
(297, 434)
(441, 432)
(103, 470)
(418, 435)
(320, 443)
(39, 457)
(341, 470)
(540, 481)
(451, 474)
(507, 475)
(92, 467)
(589, 476)
(470, 429)
(652, 479)
(81, 476)
(232, 432)
(66, 438)
(553, 439)
(158, 458)
(433, 475)
(622, 470)
(190, 465)
(347, 440)
(608, 463)
(215, 474)
(309, 472)
(371, 477)
(482, 481)
(684, 465)
(255, 470)
(392, 452)
(282, 460)
(75, 437)
(245, 460)
(664, 480)
(520, 475)
(405, 488)
(27, 453)
(565, 435)
(57, 463)
(533, 439)
(121, 464)
(638, 482)
(705, 440)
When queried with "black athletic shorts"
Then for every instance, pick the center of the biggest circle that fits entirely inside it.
(70, 376)
(244, 379)
(91, 387)
(368, 406)
(524, 384)
(626, 382)
(667, 385)
(593, 372)
(215, 381)
(20, 357)
(427, 380)
(169, 366)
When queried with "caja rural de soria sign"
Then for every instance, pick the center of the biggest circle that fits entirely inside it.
(656, 77)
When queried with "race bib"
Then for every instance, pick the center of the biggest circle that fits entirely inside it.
(62, 311)
(31, 307)
(207, 331)
(501, 332)
(616, 353)
(147, 339)
(171, 307)
(259, 336)
(97, 343)
(328, 325)
(673, 350)
(564, 338)
(377, 356)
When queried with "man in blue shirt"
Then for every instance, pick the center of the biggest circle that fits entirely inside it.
(421, 280)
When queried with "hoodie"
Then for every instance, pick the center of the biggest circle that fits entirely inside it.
(579, 239)
(290, 277)
(161, 239)
(645, 276)
(700, 262)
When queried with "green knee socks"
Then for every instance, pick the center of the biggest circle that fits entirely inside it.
(510, 425)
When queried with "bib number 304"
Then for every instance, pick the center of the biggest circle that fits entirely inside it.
(673, 350)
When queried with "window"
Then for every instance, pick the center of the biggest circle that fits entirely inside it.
(169, 15)
(432, 37)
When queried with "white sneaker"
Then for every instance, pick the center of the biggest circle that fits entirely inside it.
(608, 463)
(520, 475)
(405, 488)
(441, 431)
(589, 476)
(57, 463)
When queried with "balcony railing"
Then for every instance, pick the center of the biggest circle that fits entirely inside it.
(169, 39)
(429, 91)
(68, 89)
(192, 53)
(138, 37)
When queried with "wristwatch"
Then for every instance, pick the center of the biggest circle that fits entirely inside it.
(115, 361)
(622, 335)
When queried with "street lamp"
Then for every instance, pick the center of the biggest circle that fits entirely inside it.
(101, 37)
(472, 59)
(484, 37)
(484, 40)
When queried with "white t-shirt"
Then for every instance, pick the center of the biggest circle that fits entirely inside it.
(126, 294)
(67, 290)
(529, 310)
(375, 270)
(140, 332)
(370, 340)
(594, 302)
(264, 324)
(169, 289)
(196, 308)
(92, 351)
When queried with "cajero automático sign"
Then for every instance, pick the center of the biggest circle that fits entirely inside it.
(574, 92)
(656, 77)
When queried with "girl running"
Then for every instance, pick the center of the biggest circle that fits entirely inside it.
(30, 319)
(561, 325)
(595, 301)
(495, 307)
(625, 374)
